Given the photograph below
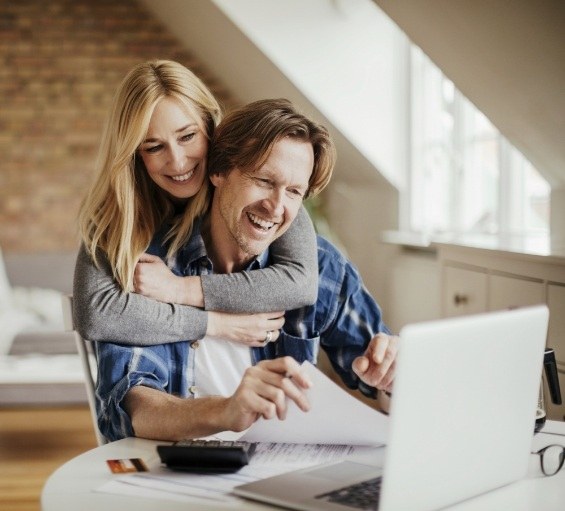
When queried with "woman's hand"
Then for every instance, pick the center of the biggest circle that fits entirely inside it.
(249, 329)
(152, 278)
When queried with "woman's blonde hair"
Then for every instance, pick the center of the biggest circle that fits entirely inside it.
(124, 207)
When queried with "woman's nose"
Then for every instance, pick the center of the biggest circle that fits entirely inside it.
(178, 158)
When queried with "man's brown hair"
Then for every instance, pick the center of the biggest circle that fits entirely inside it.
(245, 138)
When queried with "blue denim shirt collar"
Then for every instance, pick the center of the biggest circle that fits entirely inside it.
(194, 252)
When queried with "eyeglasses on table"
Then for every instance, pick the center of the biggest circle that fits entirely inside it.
(552, 458)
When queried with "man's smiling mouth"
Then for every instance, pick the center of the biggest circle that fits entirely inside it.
(259, 222)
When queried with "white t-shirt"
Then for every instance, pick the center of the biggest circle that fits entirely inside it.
(219, 366)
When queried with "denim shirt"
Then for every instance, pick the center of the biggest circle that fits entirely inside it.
(342, 321)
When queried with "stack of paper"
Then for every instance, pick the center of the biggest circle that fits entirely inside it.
(337, 425)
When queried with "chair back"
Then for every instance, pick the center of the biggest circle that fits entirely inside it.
(89, 364)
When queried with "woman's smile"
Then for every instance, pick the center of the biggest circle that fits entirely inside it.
(174, 151)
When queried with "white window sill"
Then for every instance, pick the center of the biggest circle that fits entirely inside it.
(526, 245)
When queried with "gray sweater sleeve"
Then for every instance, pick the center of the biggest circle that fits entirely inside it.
(289, 283)
(103, 312)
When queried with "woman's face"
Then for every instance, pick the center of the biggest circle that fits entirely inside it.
(174, 150)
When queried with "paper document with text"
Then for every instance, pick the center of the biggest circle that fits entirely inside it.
(337, 426)
(335, 417)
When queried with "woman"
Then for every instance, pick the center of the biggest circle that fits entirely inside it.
(151, 175)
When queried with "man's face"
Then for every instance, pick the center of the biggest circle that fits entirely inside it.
(254, 208)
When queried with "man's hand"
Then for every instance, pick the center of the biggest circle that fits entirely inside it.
(376, 366)
(263, 391)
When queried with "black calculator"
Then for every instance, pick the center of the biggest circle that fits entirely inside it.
(206, 455)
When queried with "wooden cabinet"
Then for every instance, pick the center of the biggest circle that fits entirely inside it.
(479, 280)
(470, 290)
(509, 292)
(465, 290)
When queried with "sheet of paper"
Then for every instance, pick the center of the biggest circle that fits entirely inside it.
(163, 492)
(270, 459)
(335, 417)
(337, 426)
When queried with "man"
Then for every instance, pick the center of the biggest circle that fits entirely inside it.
(265, 159)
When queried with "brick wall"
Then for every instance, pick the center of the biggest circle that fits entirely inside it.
(60, 62)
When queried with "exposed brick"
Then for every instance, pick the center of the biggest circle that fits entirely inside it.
(60, 62)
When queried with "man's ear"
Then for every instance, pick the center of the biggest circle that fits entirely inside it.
(216, 179)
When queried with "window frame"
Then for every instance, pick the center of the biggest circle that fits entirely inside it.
(510, 210)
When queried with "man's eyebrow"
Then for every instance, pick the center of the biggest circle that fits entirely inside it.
(180, 130)
(265, 173)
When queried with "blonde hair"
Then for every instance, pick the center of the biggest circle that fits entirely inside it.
(124, 207)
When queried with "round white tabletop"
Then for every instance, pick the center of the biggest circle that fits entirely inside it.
(74, 485)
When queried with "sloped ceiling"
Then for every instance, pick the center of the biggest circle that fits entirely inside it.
(249, 74)
(508, 58)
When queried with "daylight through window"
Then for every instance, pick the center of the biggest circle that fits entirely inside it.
(465, 177)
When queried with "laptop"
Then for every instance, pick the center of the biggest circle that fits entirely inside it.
(461, 420)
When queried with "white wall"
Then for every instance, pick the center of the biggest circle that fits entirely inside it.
(508, 58)
(346, 58)
(253, 69)
(414, 291)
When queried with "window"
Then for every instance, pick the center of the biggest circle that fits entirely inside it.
(465, 177)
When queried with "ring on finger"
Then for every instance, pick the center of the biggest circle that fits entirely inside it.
(269, 337)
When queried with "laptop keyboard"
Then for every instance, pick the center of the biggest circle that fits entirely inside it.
(363, 495)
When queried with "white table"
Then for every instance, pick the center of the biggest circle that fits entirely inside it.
(72, 486)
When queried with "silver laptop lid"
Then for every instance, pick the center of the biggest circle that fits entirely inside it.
(464, 404)
(462, 417)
